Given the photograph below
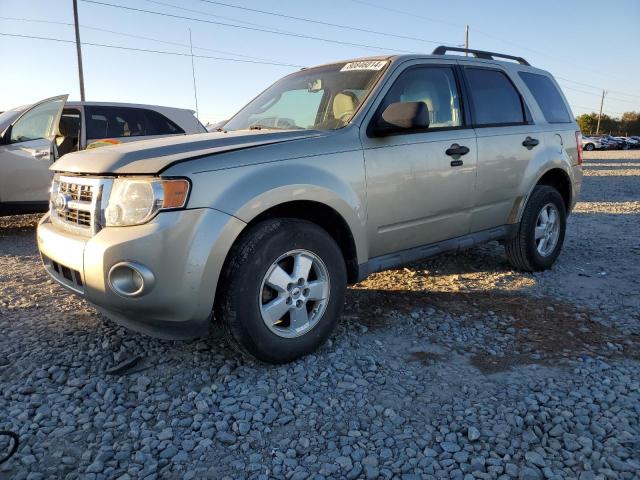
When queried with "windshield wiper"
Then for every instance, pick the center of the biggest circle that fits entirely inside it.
(263, 127)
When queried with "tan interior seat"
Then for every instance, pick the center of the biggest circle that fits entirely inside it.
(344, 105)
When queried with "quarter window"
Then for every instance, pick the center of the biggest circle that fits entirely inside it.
(436, 87)
(495, 101)
(548, 97)
(118, 122)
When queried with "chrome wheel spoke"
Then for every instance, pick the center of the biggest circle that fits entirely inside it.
(301, 266)
(275, 309)
(278, 279)
(544, 216)
(540, 231)
(299, 318)
(542, 245)
(318, 290)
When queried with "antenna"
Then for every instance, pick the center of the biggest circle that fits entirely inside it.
(193, 73)
(466, 40)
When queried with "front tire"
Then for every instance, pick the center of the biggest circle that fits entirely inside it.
(283, 289)
(540, 235)
(589, 147)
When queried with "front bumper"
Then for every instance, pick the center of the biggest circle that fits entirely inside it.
(184, 249)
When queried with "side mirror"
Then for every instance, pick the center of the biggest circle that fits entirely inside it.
(402, 118)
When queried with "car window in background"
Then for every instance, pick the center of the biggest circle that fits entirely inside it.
(39, 122)
(434, 86)
(120, 122)
(494, 99)
(547, 96)
(159, 124)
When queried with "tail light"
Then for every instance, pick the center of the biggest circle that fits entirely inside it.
(579, 146)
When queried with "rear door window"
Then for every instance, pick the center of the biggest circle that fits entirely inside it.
(548, 97)
(119, 122)
(494, 99)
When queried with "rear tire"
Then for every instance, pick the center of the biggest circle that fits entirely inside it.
(537, 242)
(589, 147)
(265, 311)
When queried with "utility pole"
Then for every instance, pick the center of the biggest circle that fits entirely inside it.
(466, 39)
(78, 49)
(193, 73)
(604, 92)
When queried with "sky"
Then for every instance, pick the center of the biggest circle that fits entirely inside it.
(587, 45)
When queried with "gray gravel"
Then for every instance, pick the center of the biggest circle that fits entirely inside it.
(458, 367)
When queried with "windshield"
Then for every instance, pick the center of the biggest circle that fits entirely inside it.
(322, 98)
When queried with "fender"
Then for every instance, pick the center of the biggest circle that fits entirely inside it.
(246, 192)
(557, 164)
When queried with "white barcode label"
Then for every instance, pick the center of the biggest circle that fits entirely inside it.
(364, 65)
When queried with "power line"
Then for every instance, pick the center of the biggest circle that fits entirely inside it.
(134, 49)
(320, 22)
(208, 14)
(141, 37)
(509, 41)
(244, 27)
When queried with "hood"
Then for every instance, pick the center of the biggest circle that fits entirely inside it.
(153, 156)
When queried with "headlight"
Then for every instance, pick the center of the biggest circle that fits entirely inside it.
(134, 201)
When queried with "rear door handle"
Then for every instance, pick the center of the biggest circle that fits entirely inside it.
(530, 143)
(456, 150)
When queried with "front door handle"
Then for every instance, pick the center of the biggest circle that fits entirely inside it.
(530, 143)
(456, 150)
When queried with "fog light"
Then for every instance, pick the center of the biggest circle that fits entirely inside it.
(130, 279)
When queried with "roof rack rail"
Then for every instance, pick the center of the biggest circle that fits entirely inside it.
(442, 50)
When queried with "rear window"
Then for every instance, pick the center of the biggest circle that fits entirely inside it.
(495, 101)
(118, 122)
(547, 96)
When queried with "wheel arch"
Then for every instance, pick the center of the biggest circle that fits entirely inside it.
(560, 180)
(321, 214)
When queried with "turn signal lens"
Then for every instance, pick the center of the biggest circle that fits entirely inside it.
(175, 193)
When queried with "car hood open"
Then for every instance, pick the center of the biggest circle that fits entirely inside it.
(153, 156)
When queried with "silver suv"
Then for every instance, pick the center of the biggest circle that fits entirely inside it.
(330, 174)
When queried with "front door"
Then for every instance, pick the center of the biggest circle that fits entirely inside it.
(418, 191)
(26, 152)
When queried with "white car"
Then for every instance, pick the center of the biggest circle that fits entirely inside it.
(33, 136)
(591, 143)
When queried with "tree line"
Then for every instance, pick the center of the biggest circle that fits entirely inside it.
(626, 125)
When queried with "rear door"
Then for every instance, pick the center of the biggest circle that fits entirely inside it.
(416, 193)
(26, 152)
(507, 141)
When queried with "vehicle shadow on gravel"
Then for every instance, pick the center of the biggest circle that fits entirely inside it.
(544, 330)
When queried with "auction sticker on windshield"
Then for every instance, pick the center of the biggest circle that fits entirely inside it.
(364, 65)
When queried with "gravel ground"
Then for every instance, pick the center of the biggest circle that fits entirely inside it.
(457, 367)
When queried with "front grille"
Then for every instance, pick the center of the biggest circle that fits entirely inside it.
(76, 203)
(75, 216)
(82, 193)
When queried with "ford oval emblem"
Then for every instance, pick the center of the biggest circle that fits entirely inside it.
(61, 202)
